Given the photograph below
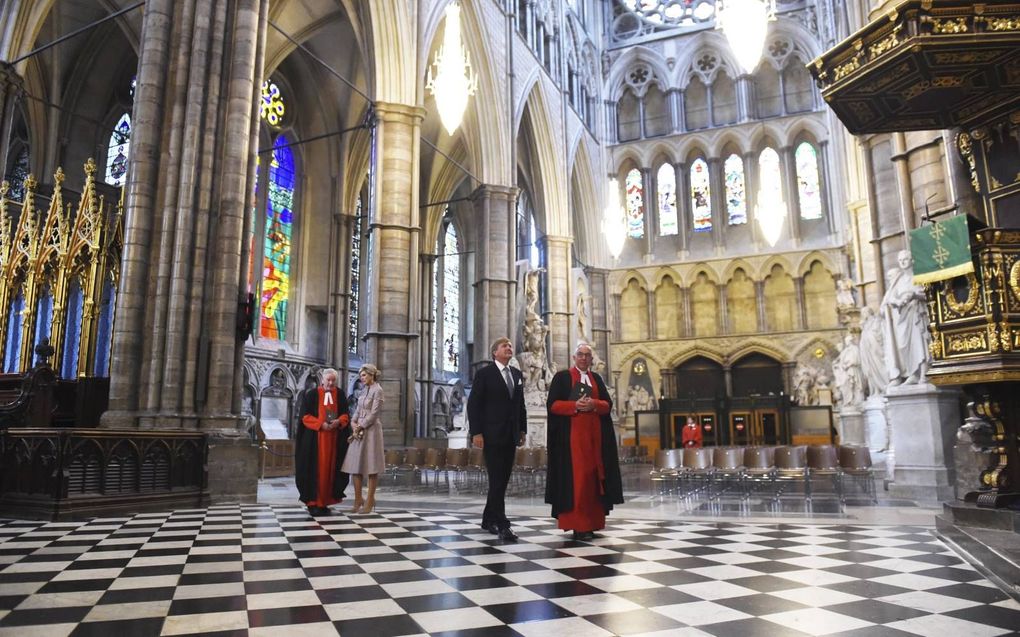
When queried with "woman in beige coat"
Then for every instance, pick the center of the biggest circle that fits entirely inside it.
(365, 455)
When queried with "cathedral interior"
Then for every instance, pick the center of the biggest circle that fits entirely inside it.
(205, 203)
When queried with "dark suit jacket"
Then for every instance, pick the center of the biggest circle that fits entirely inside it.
(491, 411)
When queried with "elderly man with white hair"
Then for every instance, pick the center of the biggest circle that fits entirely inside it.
(320, 445)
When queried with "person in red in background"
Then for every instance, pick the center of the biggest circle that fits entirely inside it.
(691, 436)
(583, 476)
(320, 446)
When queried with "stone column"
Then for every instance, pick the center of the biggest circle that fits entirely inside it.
(653, 330)
(176, 352)
(676, 110)
(751, 197)
(598, 280)
(685, 312)
(648, 201)
(789, 168)
(617, 323)
(495, 283)
(718, 202)
(744, 98)
(683, 209)
(559, 310)
(798, 287)
(759, 301)
(11, 88)
(724, 311)
(394, 229)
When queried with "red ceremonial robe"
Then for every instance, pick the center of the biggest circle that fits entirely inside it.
(588, 471)
(327, 448)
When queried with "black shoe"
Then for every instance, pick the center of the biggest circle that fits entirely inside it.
(583, 536)
(507, 535)
(317, 511)
(491, 528)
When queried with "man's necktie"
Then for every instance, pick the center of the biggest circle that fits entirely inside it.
(509, 381)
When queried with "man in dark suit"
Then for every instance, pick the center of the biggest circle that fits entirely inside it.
(498, 424)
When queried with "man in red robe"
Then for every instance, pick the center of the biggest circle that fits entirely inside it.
(691, 436)
(320, 446)
(583, 477)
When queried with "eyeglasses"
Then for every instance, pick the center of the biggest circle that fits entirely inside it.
(583, 354)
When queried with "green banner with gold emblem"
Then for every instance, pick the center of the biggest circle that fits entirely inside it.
(941, 250)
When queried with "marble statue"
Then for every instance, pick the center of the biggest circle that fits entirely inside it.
(803, 382)
(845, 294)
(848, 381)
(876, 376)
(532, 358)
(581, 313)
(905, 326)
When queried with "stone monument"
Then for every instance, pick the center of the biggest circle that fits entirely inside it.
(922, 418)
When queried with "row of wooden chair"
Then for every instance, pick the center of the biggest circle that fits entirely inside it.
(695, 471)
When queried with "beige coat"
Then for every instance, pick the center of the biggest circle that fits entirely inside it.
(365, 456)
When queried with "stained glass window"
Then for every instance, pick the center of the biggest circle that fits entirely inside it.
(666, 180)
(276, 251)
(701, 196)
(635, 204)
(117, 151)
(355, 296)
(272, 107)
(43, 317)
(104, 331)
(72, 330)
(736, 196)
(19, 172)
(451, 301)
(12, 354)
(808, 192)
(770, 176)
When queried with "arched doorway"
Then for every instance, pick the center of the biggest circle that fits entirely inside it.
(742, 404)
(756, 414)
(701, 394)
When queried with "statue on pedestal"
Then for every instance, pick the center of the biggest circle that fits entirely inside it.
(873, 366)
(905, 326)
(848, 381)
(532, 359)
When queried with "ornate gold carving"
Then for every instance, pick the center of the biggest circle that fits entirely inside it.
(935, 346)
(1006, 342)
(993, 338)
(967, 342)
(846, 69)
(966, 378)
(1003, 24)
(967, 150)
(885, 44)
(964, 307)
(949, 25)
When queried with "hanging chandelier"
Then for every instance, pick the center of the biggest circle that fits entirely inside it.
(614, 226)
(450, 78)
(745, 24)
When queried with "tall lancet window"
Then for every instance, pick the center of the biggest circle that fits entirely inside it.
(446, 299)
(635, 204)
(276, 253)
(736, 199)
(665, 180)
(117, 152)
(701, 196)
(808, 190)
(354, 300)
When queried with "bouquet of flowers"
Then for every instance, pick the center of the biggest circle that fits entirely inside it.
(358, 434)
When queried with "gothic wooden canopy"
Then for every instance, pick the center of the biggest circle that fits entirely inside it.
(926, 64)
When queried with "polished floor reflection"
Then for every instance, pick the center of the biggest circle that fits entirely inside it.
(263, 569)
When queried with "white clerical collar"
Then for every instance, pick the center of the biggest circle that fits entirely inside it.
(585, 378)
(327, 397)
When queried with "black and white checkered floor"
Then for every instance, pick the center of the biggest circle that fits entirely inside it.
(263, 570)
